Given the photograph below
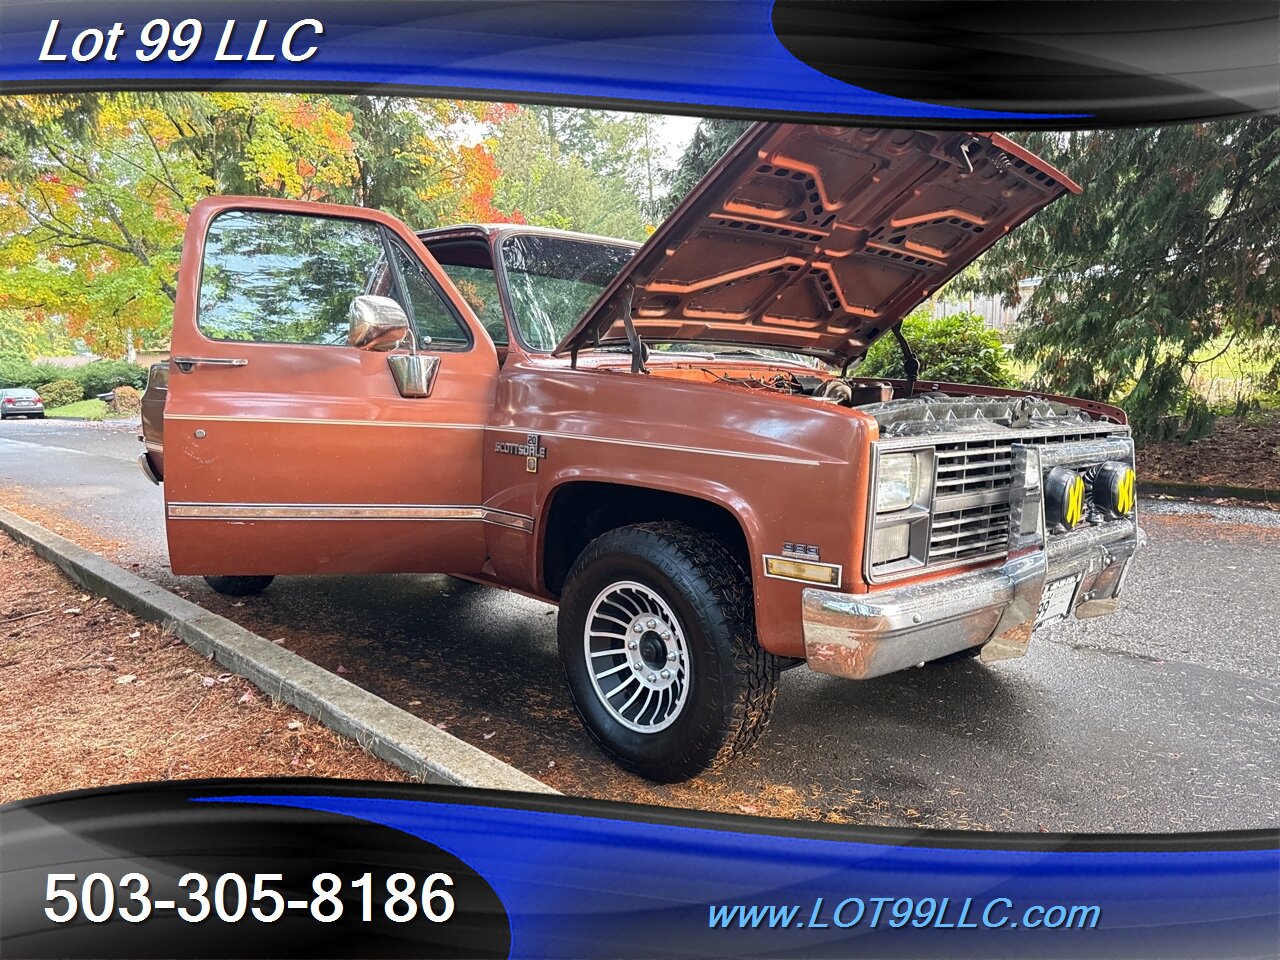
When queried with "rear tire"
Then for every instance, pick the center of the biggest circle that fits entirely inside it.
(238, 586)
(692, 602)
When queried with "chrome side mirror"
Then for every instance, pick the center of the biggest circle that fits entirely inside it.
(376, 323)
(414, 373)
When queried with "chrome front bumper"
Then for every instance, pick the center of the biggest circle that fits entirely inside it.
(859, 636)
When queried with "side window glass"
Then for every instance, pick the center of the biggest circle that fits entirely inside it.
(286, 278)
(431, 314)
(479, 287)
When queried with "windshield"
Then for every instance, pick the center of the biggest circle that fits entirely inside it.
(553, 280)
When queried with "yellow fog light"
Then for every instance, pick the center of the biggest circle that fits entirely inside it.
(1115, 488)
(1063, 498)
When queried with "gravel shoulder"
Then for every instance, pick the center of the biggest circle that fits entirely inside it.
(91, 696)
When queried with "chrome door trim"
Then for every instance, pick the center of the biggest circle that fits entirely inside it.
(187, 364)
(325, 423)
(347, 511)
(675, 448)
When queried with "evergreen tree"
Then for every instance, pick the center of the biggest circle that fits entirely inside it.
(1170, 254)
(711, 140)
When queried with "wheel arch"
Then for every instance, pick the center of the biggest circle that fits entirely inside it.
(579, 509)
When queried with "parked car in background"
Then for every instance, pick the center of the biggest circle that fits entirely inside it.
(20, 402)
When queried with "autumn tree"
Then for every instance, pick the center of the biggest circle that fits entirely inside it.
(24, 338)
(94, 196)
(412, 159)
(95, 189)
(577, 169)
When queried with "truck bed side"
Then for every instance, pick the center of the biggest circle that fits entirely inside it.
(153, 399)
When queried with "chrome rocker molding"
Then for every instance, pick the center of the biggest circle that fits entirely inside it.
(859, 636)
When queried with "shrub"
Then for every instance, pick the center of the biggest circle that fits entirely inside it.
(126, 400)
(20, 373)
(955, 348)
(59, 393)
(103, 376)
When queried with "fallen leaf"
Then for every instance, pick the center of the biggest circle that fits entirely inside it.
(442, 726)
(72, 611)
(342, 669)
(247, 697)
(207, 681)
(135, 635)
(295, 724)
(489, 736)
(415, 703)
(127, 678)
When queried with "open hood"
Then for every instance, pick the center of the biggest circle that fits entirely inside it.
(819, 239)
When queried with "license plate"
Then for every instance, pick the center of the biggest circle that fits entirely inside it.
(26, 403)
(1055, 602)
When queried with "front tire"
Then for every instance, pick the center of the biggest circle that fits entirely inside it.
(657, 638)
(238, 586)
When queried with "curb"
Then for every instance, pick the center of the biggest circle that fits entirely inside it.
(1172, 489)
(383, 729)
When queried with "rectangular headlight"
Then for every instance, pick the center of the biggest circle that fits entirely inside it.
(897, 482)
(890, 544)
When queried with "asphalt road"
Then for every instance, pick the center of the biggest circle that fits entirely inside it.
(1163, 717)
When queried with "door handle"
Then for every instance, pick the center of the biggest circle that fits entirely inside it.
(187, 364)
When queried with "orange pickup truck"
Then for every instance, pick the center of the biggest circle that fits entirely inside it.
(670, 441)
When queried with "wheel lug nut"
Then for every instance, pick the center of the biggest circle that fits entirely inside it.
(631, 645)
(652, 677)
(652, 623)
(665, 635)
(636, 666)
(671, 657)
(637, 628)
(666, 674)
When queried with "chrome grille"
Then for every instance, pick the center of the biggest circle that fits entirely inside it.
(971, 502)
(975, 532)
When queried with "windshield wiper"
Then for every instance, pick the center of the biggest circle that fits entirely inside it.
(739, 352)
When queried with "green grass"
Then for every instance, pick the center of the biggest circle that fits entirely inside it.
(1230, 370)
(82, 410)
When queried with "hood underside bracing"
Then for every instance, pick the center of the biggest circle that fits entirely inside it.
(820, 239)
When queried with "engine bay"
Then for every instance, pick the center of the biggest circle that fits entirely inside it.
(921, 414)
(934, 412)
